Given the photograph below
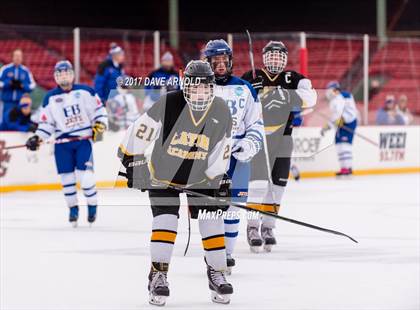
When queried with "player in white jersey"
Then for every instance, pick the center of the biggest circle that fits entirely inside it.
(76, 116)
(123, 110)
(247, 131)
(344, 118)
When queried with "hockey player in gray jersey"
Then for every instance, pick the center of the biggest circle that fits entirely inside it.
(281, 92)
(191, 131)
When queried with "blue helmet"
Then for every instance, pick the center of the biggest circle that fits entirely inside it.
(63, 65)
(63, 73)
(219, 47)
(333, 84)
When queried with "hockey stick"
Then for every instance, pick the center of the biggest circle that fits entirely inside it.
(223, 201)
(348, 129)
(251, 54)
(265, 145)
(59, 141)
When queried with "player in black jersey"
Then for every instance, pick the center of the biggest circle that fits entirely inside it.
(281, 92)
(191, 131)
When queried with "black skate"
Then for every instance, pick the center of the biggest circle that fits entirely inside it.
(254, 238)
(219, 287)
(268, 237)
(230, 262)
(158, 285)
(91, 214)
(74, 215)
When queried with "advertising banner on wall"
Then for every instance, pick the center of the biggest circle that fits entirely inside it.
(376, 149)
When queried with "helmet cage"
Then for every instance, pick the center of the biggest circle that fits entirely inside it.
(64, 78)
(275, 61)
(198, 92)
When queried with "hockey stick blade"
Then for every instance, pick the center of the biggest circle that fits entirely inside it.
(279, 217)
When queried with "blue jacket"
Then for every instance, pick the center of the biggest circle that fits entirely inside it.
(106, 78)
(10, 91)
(17, 121)
(169, 78)
(383, 118)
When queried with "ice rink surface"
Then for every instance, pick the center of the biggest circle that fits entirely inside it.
(46, 264)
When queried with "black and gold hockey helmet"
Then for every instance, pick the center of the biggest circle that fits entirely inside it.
(198, 85)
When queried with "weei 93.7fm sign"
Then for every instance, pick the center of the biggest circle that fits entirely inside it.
(392, 145)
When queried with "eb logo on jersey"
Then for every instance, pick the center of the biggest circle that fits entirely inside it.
(73, 115)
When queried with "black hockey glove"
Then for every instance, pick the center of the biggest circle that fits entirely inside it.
(257, 83)
(98, 131)
(221, 186)
(138, 175)
(33, 143)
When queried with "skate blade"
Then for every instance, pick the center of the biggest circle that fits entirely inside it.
(267, 247)
(220, 299)
(74, 224)
(344, 177)
(229, 271)
(255, 249)
(157, 300)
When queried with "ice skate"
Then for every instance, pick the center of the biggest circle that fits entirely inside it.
(268, 237)
(230, 262)
(295, 173)
(254, 239)
(91, 214)
(74, 216)
(344, 173)
(158, 285)
(219, 287)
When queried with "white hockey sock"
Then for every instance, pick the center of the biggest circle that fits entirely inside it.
(68, 180)
(277, 196)
(231, 229)
(345, 154)
(348, 161)
(212, 234)
(87, 182)
(164, 230)
(257, 193)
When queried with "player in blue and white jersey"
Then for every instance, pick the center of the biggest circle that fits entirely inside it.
(247, 130)
(75, 115)
(344, 118)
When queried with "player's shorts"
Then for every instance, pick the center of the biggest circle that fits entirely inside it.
(239, 172)
(167, 201)
(73, 155)
(346, 135)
